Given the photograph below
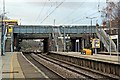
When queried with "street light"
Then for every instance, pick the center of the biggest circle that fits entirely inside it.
(91, 22)
(91, 18)
(2, 32)
(2, 27)
(2, 35)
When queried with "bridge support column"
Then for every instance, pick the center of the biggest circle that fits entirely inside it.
(73, 44)
(83, 43)
(15, 42)
(46, 46)
(12, 42)
(80, 43)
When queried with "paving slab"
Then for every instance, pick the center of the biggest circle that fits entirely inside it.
(29, 70)
(10, 66)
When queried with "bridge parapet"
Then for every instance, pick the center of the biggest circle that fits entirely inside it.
(78, 29)
(48, 29)
(32, 29)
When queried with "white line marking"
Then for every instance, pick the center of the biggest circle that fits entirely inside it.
(35, 67)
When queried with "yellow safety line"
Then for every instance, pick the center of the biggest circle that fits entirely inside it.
(11, 66)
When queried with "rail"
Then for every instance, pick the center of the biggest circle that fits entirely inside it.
(86, 72)
(50, 73)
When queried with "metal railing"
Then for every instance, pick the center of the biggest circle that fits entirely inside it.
(58, 42)
(54, 31)
(106, 40)
(61, 42)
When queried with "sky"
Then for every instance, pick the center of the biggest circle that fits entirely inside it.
(37, 12)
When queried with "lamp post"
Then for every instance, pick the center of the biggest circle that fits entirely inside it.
(2, 33)
(2, 29)
(91, 18)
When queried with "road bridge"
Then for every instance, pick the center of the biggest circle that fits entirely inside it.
(75, 32)
(42, 29)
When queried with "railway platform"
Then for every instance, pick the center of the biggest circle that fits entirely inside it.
(109, 64)
(97, 57)
(11, 67)
(108, 53)
(16, 66)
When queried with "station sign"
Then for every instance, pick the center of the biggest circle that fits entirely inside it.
(10, 29)
(96, 43)
(66, 37)
(77, 40)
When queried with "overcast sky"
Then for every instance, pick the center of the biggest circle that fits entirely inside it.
(69, 12)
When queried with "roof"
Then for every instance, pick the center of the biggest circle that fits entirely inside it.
(11, 20)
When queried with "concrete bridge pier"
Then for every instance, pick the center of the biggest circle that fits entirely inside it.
(15, 42)
(16, 46)
(73, 44)
(46, 45)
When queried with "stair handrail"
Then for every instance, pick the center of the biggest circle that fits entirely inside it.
(102, 39)
(108, 38)
(60, 35)
(54, 36)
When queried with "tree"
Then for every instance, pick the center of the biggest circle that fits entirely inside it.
(111, 17)
(119, 24)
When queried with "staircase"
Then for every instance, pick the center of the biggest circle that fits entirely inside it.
(105, 38)
(60, 41)
(57, 43)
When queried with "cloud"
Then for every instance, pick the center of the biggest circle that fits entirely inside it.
(29, 10)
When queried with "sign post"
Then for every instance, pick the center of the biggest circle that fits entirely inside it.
(77, 45)
(0, 40)
(96, 44)
(0, 55)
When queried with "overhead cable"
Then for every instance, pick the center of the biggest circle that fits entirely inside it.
(52, 11)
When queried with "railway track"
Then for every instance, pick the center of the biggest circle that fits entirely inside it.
(93, 74)
(61, 71)
(51, 74)
(64, 70)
